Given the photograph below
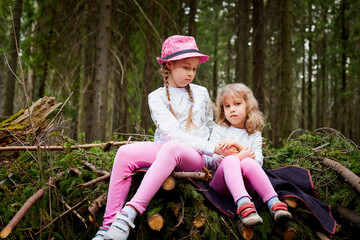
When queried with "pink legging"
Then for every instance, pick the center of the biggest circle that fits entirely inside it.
(162, 160)
(238, 178)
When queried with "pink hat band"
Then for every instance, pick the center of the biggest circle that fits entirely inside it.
(179, 47)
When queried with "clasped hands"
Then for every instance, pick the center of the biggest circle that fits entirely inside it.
(231, 147)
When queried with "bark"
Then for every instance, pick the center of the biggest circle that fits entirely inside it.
(98, 129)
(145, 113)
(348, 214)
(303, 81)
(347, 174)
(192, 16)
(344, 122)
(215, 66)
(57, 148)
(87, 98)
(285, 116)
(96, 204)
(120, 103)
(17, 127)
(47, 53)
(27, 205)
(242, 40)
(309, 72)
(258, 52)
(14, 41)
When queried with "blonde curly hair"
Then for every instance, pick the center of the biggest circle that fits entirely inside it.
(254, 120)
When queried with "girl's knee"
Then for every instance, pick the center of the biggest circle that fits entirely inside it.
(230, 161)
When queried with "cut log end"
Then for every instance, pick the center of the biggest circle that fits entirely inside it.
(199, 220)
(247, 233)
(156, 222)
(291, 202)
(5, 232)
(287, 232)
(168, 184)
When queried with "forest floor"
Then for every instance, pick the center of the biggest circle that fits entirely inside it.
(71, 209)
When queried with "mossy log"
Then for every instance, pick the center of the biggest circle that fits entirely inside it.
(17, 127)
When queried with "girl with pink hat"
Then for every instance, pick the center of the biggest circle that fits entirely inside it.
(183, 117)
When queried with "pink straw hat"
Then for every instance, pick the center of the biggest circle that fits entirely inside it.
(179, 47)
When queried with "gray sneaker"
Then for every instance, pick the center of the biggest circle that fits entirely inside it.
(120, 228)
(101, 233)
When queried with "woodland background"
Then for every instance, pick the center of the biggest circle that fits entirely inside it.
(97, 58)
(301, 58)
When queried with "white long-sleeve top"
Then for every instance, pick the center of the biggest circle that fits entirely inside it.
(253, 141)
(170, 128)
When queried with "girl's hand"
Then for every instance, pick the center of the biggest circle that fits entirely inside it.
(226, 152)
(227, 143)
(246, 152)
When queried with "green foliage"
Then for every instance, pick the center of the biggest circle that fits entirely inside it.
(304, 149)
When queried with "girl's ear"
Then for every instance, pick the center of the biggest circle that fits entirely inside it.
(168, 65)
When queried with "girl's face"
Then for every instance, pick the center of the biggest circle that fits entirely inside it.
(235, 110)
(182, 72)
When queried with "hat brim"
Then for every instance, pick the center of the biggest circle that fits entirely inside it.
(203, 57)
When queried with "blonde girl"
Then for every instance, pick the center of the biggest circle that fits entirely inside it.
(183, 118)
(239, 124)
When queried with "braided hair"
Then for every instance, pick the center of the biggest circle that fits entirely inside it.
(189, 122)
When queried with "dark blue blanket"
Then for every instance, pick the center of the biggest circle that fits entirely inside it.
(290, 181)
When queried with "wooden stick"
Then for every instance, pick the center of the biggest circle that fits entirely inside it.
(204, 176)
(27, 205)
(348, 215)
(73, 211)
(92, 167)
(322, 236)
(94, 181)
(347, 174)
(51, 148)
(60, 216)
(96, 204)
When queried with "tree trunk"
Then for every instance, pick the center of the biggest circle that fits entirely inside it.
(303, 81)
(10, 81)
(344, 122)
(309, 72)
(47, 50)
(242, 40)
(216, 42)
(98, 128)
(145, 113)
(192, 16)
(258, 52)
(285, 116)
(120, 87)
(323, 76)
(87, 98)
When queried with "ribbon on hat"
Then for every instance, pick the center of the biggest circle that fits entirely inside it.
(179, 53)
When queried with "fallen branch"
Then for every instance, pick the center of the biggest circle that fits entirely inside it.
(27, 205)
(96, 204)
(92, 167)
(50, 148)
(204, 176)
(94, 181)
(73, 211)
(70, 209)
(347, 174)
(348, 214)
